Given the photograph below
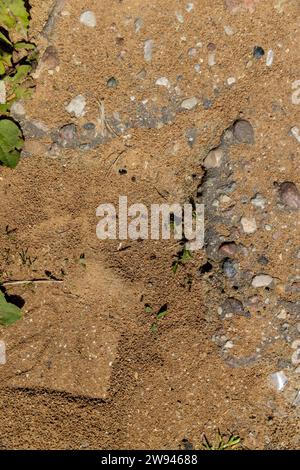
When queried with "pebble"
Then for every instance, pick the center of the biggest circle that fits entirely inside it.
(296, 344)
(77, 106)
(243, 132)
(296, 401)
(231, 81)
(189, 103)
(262, 280)
(17, 109)
(263, 260)
(2, 353)
(88, 18)
(258, 201)
(138, 25)
(67, 136)
(279, 380)
(258, 52)
(232, 306)
(148, 49)
(249, 225)
(214, 158)
(189, 7)
(229, 268)
(289, 195)
(270, 58)
(163, 81)
(228, 249)
(112, 82)
(228, 30)
(2, 92)
(228, 345)
(179, 17)
(296, 357)
(296, 133)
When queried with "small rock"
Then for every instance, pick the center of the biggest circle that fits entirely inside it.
(289, 195)
(67, 136)
(270, 58)
(231, 307)
(148, 49)
(2, 353)
(77, 106)
(207, 103)
(249, 225)
(229, 249)
(243, 132)
(231, 81)
(214, 158)
(163, 81)
(296, 401)
(278, 380)
(296, 357)
(50, 59)
(17, 109)
(228, 30)
(295, 132)
(189, 7)
(112, 82)
(263, 260)
(228, 345)
(138, 25)
(258, 52)
(2, 92)
(262, 280)
(88, 18)
(229, 268)
(189, 103)
(296, 344)
(258, 201)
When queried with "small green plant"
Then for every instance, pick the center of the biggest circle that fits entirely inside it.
(183, 257)
(17, 55)
(160, 315)
(222, 444)
(9, 313)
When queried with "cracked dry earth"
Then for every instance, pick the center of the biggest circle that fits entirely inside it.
(162, 101)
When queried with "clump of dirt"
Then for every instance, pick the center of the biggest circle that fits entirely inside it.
(165, 102)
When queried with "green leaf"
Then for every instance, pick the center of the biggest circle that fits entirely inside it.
(24, 45)
(148, 308)
(11, 142)
(154, 328)
(4, 39)
(162, 314)
(21, 74)
(13, 14)
(9, 313)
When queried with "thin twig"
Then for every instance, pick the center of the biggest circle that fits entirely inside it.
(30, 281)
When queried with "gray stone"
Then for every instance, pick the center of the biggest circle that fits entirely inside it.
(214, 158)
(148, 49)
(88, 18)
(189, 103)
(278, 380)
(243, 132)
(289, 195)
(2, 353)
(262, 280)
(229, 268)
(77, 106)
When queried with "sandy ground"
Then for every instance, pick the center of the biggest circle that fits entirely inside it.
(84, 369)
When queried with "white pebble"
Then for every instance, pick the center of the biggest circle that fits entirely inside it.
(279, 380)
(88, 18)
(228, 345)
(148, 49)
(179, 17)
(211, 59)
(296, 357)
(270, 58)
(17, 109)
(163, 81)
(296, 344)
(249, 225)
(197, 67)
(77, 106)
(296, 133)
(189, 7)
(258, 201)
(138, 25)
(296, 401)
(228, 30)
(2, 353)
(262, 280)
(231, 81)
(189, 103)
(214, 158)
(2, 93)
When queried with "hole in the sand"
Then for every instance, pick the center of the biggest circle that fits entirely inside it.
(16, 300)
(206, 268)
